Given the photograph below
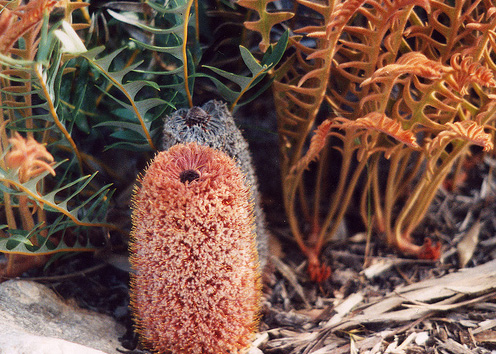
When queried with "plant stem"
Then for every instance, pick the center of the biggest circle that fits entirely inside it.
(184, 52)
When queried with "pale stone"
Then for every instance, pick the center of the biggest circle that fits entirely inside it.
(16, 341)
(36, 321)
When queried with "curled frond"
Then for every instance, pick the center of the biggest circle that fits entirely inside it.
(414, 63)
(380, 122)
(467, 72)
(466, 130)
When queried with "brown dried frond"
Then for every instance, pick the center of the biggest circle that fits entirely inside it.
(466, 130)
(467, 72)
(29, 156)
(380, 122)
(414, 63)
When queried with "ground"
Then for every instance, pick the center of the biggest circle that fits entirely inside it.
(383, 304)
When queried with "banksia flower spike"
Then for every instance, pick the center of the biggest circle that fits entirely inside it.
(196, 286)
(213, 125)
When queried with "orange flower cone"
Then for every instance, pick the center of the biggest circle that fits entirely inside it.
(196, 286)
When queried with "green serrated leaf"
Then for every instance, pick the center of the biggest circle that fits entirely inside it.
(104, 62)
(257, 70)
(48, 201)
(130, 94)
(175, 51)
(124, 145)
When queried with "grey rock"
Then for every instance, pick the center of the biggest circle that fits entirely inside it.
(213, 125)
(35, 321)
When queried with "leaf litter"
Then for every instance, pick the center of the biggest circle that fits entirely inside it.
(397, 305)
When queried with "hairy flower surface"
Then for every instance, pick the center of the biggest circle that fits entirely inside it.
(196, 285)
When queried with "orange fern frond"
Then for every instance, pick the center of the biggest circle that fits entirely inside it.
(299, 89)
(467, 72)
(342, 14)
(371, 38)
(445, 30)
(380, 122)
(466, 130)
(317, 143)
(471, 131)
(414, 63)
(17, 22)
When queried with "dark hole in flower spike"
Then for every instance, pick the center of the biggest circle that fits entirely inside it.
(196, 116)
(189, 175)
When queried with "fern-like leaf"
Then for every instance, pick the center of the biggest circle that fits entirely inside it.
(414, 63)
(266, 20)
(467, 72)
(20, 21)
(11, 178)
(317, 143)
(467, 130)
(172, 40)
(445, 30)
(129, 89)
(19, 241)
(258, 70)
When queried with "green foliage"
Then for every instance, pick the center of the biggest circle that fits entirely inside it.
(79, 106)
(258, 70)
(142, 137)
